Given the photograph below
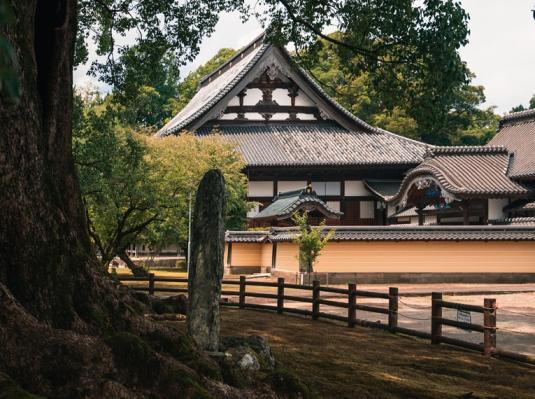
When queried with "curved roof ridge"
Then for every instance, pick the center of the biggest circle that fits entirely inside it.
(515, 117)
(474, 173)
(165, 131)
(239, 54)
(482, 149)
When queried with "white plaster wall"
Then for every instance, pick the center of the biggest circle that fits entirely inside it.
(496, 208)
(234, 101)
(252, 97)
(430, 219)
(281, 97)
(327, 187)
(254, 211)
(260, 188)
(367, 210)
(335, 205)
(285, 185)
(306, 117)
(355, 188)
(280, 117)
(303, 99)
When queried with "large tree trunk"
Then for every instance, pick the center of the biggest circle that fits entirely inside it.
(45, 256)
(66, 329)
(56, 303)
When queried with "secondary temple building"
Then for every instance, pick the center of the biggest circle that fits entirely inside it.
(303, 151)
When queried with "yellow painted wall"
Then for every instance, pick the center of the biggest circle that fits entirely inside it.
(249, 254)
(267, 251)
(404, 256)
(287, 256)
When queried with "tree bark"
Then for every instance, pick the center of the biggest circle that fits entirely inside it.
(136, 270)
(67, 330)
(46, 259)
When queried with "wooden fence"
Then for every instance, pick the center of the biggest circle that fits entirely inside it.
(350, 302)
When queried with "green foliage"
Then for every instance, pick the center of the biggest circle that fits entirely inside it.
(521, 107)
(137, 188)
(181, 162)
(310, 241)
(117, 186)
(460, 122)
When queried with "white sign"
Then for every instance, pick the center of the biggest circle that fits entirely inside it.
(464, 316)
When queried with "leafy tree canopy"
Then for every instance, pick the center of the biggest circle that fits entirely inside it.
(521, 107)
(417, 41)
(310, 241)
(463, 122)
(137, 188)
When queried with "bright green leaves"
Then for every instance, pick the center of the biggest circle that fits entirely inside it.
(310, 241)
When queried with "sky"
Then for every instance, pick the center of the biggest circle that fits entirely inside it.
(501, 51)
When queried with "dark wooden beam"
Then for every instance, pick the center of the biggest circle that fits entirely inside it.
(270, 85)
(271, 109)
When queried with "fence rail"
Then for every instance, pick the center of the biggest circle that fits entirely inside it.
(350, 302)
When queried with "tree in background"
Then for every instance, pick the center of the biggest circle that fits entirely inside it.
(310, 241)
(136, 188)
(180, 162)
(521, 107)
(462, 123)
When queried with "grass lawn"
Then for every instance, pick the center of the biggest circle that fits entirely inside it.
(337, 362)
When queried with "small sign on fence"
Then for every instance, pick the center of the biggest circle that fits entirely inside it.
(464, 316)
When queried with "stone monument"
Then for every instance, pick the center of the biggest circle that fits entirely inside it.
(206, 264)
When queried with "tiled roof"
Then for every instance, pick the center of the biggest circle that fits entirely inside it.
(383, 188)
(319, 143)
(247, 236)
(467, 172)
(521, 205)
(217, 87)
(517, 134)
(409, 233)
(410, 212)
(519, 221)
(286, 204)
(295, 143)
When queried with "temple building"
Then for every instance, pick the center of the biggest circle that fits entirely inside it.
(401, 210)
(292, 135)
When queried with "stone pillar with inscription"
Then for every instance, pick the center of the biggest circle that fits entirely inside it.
(206, 267)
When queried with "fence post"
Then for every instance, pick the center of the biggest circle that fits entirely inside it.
(151, 283)
(352, 303)
(315, 299)
(242, 291)
(436, 314)
(280, 295)
(489, 321)
(393, 308)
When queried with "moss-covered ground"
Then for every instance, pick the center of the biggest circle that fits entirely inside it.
(334, 361)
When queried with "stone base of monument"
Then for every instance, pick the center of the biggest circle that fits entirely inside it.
(245, 359)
